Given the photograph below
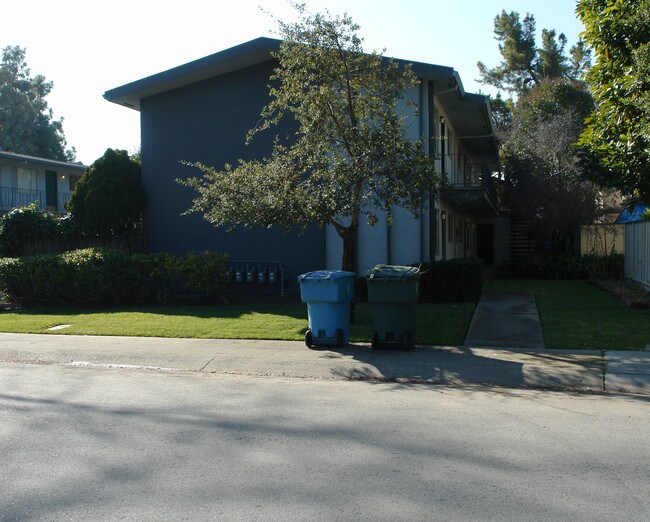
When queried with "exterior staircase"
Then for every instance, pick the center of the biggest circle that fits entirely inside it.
(521, 241)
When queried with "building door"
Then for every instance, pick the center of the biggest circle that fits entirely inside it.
(485, 243)
(51, 200)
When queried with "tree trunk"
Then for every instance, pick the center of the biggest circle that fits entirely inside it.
(349, 261)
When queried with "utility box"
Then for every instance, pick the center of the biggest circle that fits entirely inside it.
(393, 296)
(328, 294)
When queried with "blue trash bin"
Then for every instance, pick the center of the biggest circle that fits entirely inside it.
(327, 294)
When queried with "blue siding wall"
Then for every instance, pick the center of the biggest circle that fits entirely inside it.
(208, 122)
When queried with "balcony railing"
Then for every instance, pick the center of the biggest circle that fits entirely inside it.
(470, 186)
(14, 197)
(477, 182)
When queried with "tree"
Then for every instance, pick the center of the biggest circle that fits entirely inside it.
(618, 132)
(543, 180)
(524, 65)
(108, 199)
(26, 124)
(350, 158)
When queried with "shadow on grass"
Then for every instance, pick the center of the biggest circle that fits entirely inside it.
(296, 311)
(437, 323)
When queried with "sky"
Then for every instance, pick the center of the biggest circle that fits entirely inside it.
(86, 47)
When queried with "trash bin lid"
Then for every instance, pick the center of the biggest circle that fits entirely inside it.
(392, 272)
(325, 275)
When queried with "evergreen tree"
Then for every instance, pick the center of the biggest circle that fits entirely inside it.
(26, 121)
(523, 64)
(109, 199)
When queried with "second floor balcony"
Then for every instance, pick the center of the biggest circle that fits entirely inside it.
(472, 189)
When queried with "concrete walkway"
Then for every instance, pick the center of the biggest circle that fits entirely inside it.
(506, 320)
(595, 371)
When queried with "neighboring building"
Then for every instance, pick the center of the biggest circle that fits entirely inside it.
(27, 179)
(202, 111)
(637, 243)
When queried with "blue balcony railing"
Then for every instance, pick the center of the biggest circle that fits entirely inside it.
(14, 197)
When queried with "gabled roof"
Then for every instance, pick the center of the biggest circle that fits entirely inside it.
(469, 113)
(24, 158)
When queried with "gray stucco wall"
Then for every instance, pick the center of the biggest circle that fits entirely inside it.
(208, 122)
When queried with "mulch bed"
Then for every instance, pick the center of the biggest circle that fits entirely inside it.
(632, 294)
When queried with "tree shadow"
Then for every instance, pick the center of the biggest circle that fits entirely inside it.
(116, 445)
(465, 366)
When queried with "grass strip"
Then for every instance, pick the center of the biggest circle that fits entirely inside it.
(580, 315)
(444, 324)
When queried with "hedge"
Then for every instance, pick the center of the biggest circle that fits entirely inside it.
(101, 276)
(453, 281)
(570, 266)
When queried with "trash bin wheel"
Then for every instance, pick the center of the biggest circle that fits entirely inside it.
(339, 338)
(309, 340)
(375, 341)
(407, 341)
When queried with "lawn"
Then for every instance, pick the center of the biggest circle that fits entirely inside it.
(577, 314)
(437, 323)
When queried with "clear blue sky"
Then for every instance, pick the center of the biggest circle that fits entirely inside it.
(87, 47)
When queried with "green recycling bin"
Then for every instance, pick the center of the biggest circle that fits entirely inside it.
(393, 297)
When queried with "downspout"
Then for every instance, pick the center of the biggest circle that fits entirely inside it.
(433, 221)
(424, 134)
(388, 232)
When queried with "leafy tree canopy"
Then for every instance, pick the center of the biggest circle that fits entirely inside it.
(26, 124)
(524, 65)
(349, 159)
(108, 199)
(543, 180)
(618, 133)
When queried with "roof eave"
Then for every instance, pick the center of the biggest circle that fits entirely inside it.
(25, 158)
(238, 57)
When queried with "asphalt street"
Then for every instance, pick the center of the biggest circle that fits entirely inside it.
(106, 444)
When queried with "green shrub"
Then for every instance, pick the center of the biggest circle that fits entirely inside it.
(455, 281)
(162, 276)
(34, 279)
(104, 276)
(68, 228)
(94, 275)
(570, 266)
(22, 225)
(108, 199)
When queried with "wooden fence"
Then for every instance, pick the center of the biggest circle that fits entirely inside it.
(637, 252)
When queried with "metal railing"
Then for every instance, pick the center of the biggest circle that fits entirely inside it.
(11, 197)
(476, 182)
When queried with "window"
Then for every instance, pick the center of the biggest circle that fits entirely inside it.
(26, 179)
(72, 182)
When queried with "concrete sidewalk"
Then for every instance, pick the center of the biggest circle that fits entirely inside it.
(506, 320)
(515, 368)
